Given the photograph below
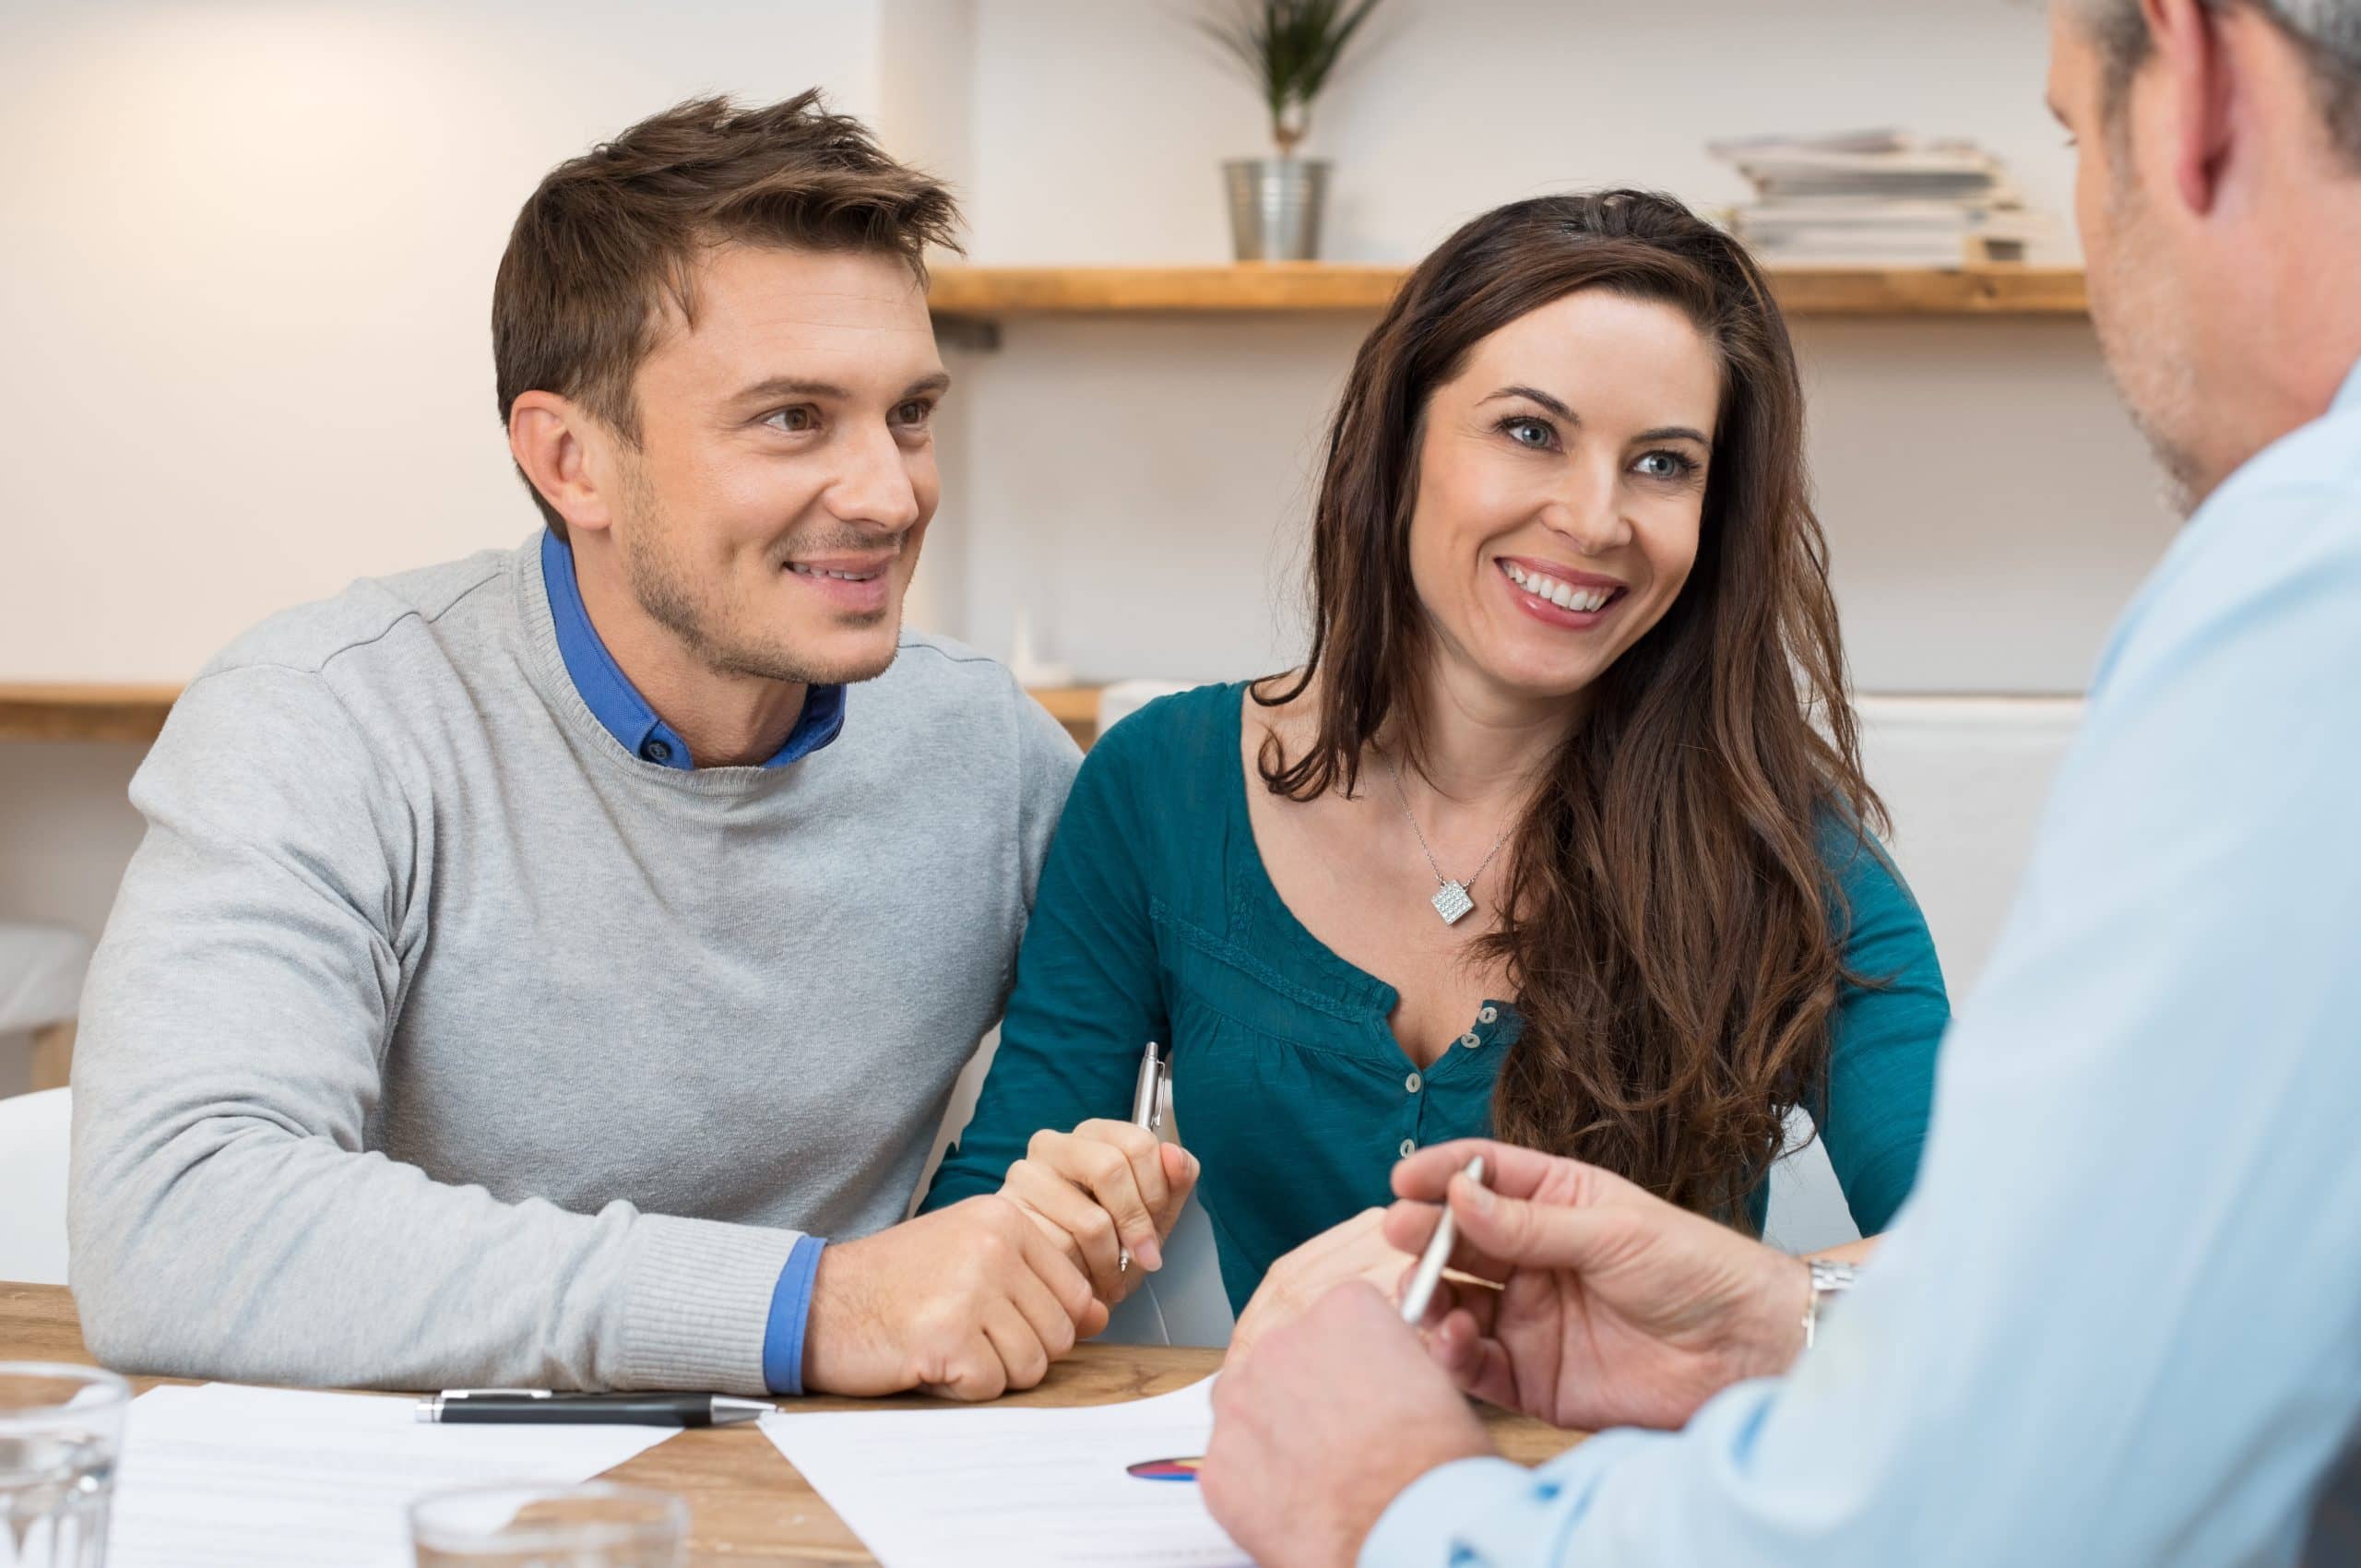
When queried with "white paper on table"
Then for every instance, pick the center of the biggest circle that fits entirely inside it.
(1016, 1488)
(223, 1476)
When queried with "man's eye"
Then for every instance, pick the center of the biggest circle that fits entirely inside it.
(797, 419)
(918, 410)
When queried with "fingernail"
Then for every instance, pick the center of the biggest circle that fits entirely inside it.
(1149, 1255)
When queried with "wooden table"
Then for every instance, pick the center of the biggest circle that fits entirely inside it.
(746, 1502)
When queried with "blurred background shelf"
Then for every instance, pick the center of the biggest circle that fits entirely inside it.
(992, 293)
(82, 711)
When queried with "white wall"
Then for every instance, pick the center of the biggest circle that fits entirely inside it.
(1139, 486)
(247, 254)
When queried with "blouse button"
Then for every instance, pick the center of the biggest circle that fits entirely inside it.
(1489, 1016)
(1409, 1147)
(1412, 1083)
(1471, 1039)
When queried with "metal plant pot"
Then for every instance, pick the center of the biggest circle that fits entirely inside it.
(1275, 207)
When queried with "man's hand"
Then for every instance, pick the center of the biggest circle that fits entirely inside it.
(1099, 1189)
(1316, 1433)
(1356, 1249)
(967, 1303)
(1616, 1308)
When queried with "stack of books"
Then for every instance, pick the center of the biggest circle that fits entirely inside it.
(1878, 198)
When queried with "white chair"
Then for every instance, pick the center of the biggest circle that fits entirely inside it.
(1965, 780)
(1121, 699)
(34, 1136)
(1184, 1302)
(40, 986)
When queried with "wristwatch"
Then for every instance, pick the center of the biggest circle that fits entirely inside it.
(1827, 1279)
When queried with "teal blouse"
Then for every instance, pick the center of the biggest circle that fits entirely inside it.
(1156, 920)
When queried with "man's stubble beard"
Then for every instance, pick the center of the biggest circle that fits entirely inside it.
(671, 592)
(2140, 338)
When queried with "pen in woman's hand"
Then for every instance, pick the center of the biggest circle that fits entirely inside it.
(1147, 1110)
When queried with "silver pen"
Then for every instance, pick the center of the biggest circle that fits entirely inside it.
(1422, 1284)
(1147, 1108)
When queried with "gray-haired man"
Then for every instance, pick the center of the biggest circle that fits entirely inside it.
(2120, 1322)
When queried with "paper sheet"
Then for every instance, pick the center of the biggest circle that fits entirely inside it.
(227, 1477)
(1016, 1488)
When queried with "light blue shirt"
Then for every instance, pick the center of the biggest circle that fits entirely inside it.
(2119, 1320)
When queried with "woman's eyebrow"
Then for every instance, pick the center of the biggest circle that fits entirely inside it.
(1536, 395)
(1675, 432)
(1556, 407)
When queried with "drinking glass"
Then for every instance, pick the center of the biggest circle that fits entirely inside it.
(597, 1526)
(61, 1429)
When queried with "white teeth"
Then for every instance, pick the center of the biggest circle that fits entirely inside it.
(1565, 596)
(801, 570)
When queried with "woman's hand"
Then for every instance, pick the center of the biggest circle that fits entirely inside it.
(1103, 1187)
(1357, 1249)
(1614, 1308)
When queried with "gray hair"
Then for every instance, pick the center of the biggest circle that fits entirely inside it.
(2326, 32)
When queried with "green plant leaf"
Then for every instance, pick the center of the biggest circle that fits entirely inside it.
(1289, 47)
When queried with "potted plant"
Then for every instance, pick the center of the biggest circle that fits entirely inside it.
(1289, 48)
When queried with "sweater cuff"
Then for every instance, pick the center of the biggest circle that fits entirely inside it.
(790, 1311)
(699, 1302)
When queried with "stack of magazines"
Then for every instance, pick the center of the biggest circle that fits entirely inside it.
(1878, 198)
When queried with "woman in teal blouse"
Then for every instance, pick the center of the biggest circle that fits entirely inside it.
(1560, 832)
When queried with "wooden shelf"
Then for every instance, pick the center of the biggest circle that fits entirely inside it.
(62, 711)
(989, 293)
(79, 712)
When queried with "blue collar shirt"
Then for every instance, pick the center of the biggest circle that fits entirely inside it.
(616, 703)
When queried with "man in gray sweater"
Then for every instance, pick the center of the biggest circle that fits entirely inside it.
(531, 959)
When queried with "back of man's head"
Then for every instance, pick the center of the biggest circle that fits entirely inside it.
(2327, 33)
(604, 250)
(2219, 201)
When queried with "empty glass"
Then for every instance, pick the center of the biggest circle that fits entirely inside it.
(61, 1429)
(597, 1526)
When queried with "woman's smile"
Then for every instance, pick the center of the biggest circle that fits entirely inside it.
(1560, 596)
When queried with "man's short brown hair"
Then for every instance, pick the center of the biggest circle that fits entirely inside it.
(610, 237)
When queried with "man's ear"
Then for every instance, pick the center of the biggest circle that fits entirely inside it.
(2194, 108)
(564, 451)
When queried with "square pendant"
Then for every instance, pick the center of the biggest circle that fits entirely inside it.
(1452, 902)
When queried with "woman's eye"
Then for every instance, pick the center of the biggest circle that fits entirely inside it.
(1667, 465)
(795, 421)
(1531, 432)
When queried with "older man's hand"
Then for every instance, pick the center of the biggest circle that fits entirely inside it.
(1324, 1425)
(1351, 1248)
(1613, 1307)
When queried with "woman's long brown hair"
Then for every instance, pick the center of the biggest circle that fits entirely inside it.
(1670, 923)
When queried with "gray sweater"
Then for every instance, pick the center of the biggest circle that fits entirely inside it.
(437, 1040)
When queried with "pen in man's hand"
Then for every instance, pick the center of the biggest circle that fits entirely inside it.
(1422, 1283)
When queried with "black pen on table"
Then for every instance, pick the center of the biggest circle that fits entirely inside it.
(1147, 1109)
(457, 1406)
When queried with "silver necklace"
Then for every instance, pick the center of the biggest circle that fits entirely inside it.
(1450, 899)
